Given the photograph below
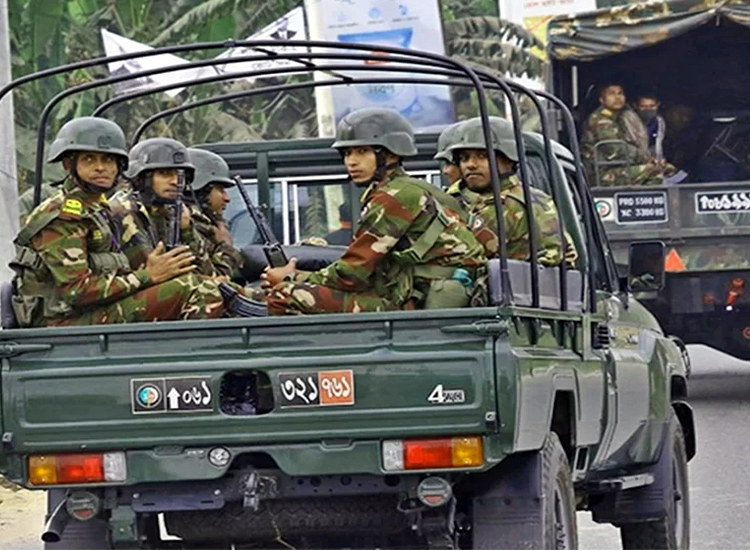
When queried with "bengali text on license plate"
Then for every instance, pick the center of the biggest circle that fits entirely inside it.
(316, 388)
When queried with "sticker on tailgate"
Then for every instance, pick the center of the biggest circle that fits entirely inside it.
(171, 395)
(321, 388)
(709, 202)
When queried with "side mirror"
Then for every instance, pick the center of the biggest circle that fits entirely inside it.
(646, 266)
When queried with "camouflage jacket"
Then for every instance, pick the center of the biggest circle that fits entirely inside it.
(547, 223)
(69, 258)
(403, 225)
(604, 124)
(143, 226)
(462, 193)
(226, 259)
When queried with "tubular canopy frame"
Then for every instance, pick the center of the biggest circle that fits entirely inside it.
(452, 72)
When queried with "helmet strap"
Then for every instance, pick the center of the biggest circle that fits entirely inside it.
(383, 167)
(147, 194)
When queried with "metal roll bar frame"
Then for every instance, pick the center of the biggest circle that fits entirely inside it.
(415, 61)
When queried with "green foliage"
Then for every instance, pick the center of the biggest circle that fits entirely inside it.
(49, 33)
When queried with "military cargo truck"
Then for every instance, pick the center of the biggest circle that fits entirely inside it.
(689, 54)
(484, 427)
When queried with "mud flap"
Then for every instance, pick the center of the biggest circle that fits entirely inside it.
(510, 513)
(645, 503)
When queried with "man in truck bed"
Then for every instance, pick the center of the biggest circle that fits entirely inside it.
(70, 266)
(469, 153)
(411, 250)
(626, 162)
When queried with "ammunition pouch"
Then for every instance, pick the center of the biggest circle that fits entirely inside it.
(108, 262)
(34, 298)
(447, 293)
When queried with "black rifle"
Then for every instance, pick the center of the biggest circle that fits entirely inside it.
(273, 250)
(174, 235)
(239, 305)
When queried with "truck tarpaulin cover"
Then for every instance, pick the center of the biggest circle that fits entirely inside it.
(594, 35)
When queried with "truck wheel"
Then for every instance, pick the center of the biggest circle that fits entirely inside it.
(673, 531)
(92, 534)
(560, 528)
(532, 505)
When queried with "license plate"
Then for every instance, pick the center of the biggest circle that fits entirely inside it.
(316, 388)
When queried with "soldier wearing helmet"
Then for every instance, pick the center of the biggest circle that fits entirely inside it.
(158, 168)
(412, 249)
(470, 153)
(449, 169)
(210, 198)
(70, 266)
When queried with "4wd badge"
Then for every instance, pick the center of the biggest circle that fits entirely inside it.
(441, 396)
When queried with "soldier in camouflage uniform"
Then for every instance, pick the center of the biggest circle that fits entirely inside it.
(450, 170)
(145, 212)
(635, 167)
(470, 154)
(69, 264)
(411, 249)
(209, 190)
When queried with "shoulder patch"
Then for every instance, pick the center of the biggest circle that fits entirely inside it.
(73, 207)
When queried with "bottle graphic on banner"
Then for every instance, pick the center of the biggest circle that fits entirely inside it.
(401, 97)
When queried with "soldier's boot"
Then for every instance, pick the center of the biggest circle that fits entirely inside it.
(239, 305)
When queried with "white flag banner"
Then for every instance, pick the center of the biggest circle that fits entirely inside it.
(289, 27)
(115, 44)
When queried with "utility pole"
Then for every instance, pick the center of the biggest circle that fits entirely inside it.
(8, 182)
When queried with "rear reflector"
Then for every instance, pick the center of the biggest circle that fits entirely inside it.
(433, 453)
(77, 468)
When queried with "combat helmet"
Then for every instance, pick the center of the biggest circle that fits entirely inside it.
(210, 168)
(376, 127)
(470, 135)
(446, 140)
(89, 134)
(157, 153)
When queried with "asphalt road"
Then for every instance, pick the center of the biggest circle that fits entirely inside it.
(720, 472)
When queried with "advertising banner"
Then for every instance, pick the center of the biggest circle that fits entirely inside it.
(413, 24)
(114, 44)
(535, 14)
(289, 27)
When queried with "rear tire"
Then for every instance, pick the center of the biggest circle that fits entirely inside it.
(531, 506)
(560, 528)
(672, 531)
(91, 534)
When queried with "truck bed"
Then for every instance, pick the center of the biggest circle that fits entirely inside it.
(153, 386)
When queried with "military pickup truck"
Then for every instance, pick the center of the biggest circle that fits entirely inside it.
(485, 427)
(686, 53)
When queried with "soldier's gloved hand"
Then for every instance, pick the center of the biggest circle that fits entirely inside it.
(273, 276)
(163, 266)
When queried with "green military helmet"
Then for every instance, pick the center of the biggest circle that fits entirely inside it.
(446, 140)
(89, 134)
(376, 127)
(158, 153)
(210, 168)
(470, 135)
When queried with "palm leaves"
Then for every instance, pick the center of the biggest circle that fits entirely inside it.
(495, 43)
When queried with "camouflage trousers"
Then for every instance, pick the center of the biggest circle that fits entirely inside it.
(635, 175)
(304, 298)
(186, 297)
